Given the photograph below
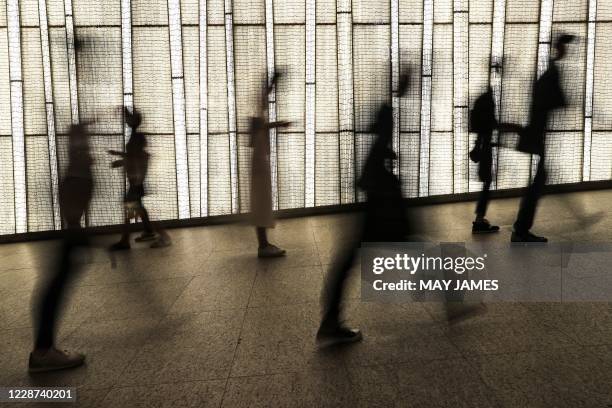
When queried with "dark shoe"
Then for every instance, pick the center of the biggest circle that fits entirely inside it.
(120, 246)
(331, 336)
(53, 359)
(483, 227)
(458, 312)
(526, 237)
(270, 251)
(146, 236)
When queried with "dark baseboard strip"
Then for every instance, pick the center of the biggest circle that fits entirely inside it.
(313, 211)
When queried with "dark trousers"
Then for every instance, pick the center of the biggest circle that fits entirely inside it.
(485, 174)
(529, 202)
(334, 285)
(53, 294)
(385, 220)
(483, 199)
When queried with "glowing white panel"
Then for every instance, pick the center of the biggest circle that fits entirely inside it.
(72, 73)
(372, 76)
(46, 58)
(479, 68)
(546, 11)
(426, 97)
(602, 71)
(346, 102)
(411, 50)
(309, 175)
(34, 113)
(601, 156)
(367, 11)
(191, 68)
(440, 163)
(460, 96)
(5, 85)
(203, 31)
(327, 169)
(249, 12)
(411, 11)
(588, 97)
(99, 84)
(395, 73)
(522, 11)
(7, 198)
(126, 53)
(95, 12)
(231, 105)
(327, 85)
(291, 95)
(573, 78)
(496, 61)
(564, 157)
(270, 62)
(481, 11)
(520, 47)
(178, 103)
(17, 129)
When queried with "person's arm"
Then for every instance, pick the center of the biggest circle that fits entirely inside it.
(117, 163)
(115, 153)
(279, 124)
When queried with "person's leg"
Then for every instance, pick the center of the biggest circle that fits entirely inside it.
(265, 248)
(526, 214)
(146, 221)
(334, 287)
(124, 242)
(51, 299)
(45, 356)
(262, 237)
(483, 201)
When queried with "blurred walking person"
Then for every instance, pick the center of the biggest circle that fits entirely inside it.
(384, 220)
(483, 122)
(74, 196)
(135, 162)
(262, 217)
(547, 96)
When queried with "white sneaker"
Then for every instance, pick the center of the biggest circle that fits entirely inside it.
(54, 359)
(270, 251)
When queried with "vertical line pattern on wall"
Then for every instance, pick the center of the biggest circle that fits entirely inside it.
(178, 104)
(588, 98)
(17, 122)
(428, 15)
(231, 106)
(270, 62)
(72, 69)
(395, 77)
(460, 96)
(50, 111)
(126, 61)
(203, 76)
(495, 77)
(310, 137)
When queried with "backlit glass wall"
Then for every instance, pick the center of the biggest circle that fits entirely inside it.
(194, 68)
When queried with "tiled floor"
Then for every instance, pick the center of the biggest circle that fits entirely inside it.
(204, 323)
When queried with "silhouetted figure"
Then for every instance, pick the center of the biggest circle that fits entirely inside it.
(384, 220)
(74, 196)
(135, 162)
(483, 122)
(547, 96)
(261, 179)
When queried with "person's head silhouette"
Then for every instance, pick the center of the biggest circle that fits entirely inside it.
(561, 45)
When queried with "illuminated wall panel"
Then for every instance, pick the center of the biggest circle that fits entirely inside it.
(195, 68)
